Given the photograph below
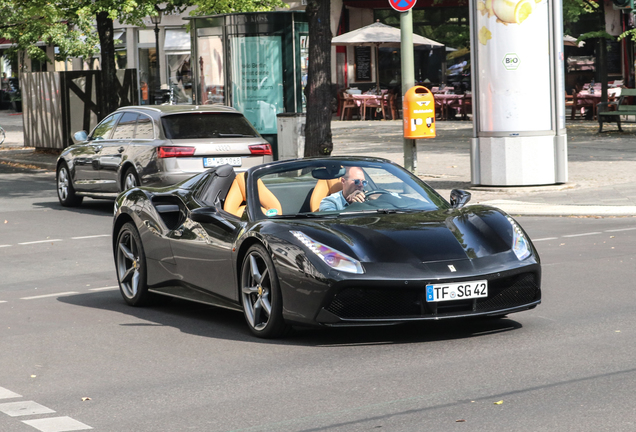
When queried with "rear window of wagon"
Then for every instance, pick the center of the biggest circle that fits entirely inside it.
(207, 125)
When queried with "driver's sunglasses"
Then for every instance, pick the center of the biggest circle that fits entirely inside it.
(359, 182)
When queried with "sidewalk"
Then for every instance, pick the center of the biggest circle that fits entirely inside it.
(602, 167)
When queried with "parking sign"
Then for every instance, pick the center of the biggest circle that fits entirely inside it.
(402, 5)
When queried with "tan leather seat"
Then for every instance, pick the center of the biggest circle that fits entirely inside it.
(236, 197)
(323, 189)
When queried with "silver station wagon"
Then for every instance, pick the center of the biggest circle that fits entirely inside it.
(157, 145)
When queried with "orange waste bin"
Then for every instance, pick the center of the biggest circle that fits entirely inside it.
(419, 113)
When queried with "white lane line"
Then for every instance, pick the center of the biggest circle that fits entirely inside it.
(8, 394)
(105, 288)
(90, 237)
(3, 301)
(621, 229)
(581, 235)
(50, 295)
(1, 246)
(544, 239)
(57, 424)
(16, 409)
(40, 241)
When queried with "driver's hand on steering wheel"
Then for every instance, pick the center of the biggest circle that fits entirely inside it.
(356, 196)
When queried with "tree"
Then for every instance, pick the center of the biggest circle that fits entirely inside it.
(318, 140)
(70, 25)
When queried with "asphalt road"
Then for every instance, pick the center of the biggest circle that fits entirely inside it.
(66, 335)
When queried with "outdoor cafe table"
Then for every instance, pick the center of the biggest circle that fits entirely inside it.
(445, 102)
(364, 100)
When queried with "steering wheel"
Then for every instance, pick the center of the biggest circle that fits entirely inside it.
(376, 191)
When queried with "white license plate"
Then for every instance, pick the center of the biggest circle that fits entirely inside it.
(214, 162)
(456, 291)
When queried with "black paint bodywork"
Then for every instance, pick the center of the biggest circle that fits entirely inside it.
(194, 250)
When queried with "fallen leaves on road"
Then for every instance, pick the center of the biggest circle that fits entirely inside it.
(460, 421)
(499, 402)
(84, 399)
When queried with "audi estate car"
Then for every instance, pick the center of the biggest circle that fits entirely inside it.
(158, 145)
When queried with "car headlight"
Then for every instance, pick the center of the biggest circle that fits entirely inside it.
(519, 242)
(333, 258)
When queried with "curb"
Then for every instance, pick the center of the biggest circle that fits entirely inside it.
(541, 209)
(49, 166)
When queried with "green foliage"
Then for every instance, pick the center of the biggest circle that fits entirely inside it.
(70, 24)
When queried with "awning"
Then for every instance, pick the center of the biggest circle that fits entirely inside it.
(177, 40)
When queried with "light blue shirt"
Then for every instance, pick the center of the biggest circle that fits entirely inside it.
(333, 202)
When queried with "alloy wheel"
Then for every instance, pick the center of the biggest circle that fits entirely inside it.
(257, 293)
(128, 264)
(130, 181)
(62, 183)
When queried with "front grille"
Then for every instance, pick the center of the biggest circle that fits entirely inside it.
(382, 303)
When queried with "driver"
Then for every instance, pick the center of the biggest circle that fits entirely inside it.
(353, 183)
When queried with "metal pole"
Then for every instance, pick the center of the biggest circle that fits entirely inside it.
(408, 81)
(158, 84)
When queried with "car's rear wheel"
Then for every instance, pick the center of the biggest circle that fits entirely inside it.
(261, 296)
(131, 266)
(65, 190)
(131, 179)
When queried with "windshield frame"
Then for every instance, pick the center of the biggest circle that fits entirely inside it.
(413, 181)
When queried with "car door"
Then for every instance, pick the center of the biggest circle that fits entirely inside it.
(85, 156)
(112, 152)
(203, 251)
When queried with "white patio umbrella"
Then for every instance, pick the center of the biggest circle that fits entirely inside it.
(571, 41)
(378, 34)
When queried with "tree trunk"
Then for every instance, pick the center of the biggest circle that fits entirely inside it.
(601, 59)
(318, 140)
(110, 99)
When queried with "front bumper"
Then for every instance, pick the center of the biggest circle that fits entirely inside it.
(371, 303)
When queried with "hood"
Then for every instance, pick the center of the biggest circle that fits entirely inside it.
(467, 233)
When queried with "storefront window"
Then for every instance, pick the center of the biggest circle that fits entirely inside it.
(210, 64)
(147, 68)
(177, 49)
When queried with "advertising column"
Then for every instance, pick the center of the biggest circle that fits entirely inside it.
(519, 137)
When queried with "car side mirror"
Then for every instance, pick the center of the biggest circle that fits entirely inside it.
(459, 198)
(211, 215)
(80, 136)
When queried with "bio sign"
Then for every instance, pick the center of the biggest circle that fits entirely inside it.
(511, 61)
(402, 5)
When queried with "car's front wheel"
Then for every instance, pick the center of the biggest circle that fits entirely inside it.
(131, 266)
(65, 190)
(261, 296)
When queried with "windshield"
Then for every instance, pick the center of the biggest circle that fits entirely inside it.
(207, 125)
(318, 188)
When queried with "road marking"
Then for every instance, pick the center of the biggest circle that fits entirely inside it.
(90, 237)
(7, 394)
(621, 229)
(105, 288)
(3, 301)
(40, 241)
(581, 235)
(16, 409)
(50, 295)
(544, 239)
(1, 246)
(57, 424)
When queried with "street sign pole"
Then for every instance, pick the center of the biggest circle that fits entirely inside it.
(408, 81)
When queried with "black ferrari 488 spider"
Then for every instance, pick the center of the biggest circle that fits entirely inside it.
(325, 241)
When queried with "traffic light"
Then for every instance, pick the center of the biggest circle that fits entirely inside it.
(623, 4)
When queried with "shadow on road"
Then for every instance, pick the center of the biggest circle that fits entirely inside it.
(218, 323)
(89, 206)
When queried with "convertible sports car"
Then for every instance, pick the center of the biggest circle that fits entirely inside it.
(258, 242)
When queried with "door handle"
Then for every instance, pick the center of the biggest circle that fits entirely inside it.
(121, 149)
